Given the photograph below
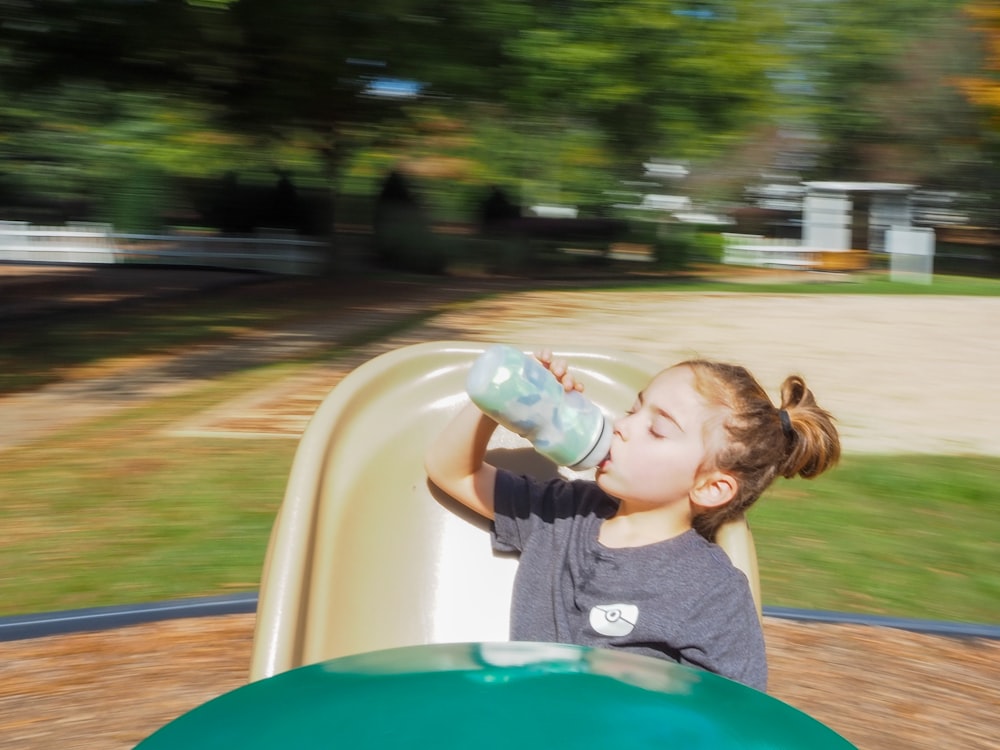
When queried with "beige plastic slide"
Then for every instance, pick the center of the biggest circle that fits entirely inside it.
(365, 554)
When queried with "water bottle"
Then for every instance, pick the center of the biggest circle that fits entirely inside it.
(521, 394)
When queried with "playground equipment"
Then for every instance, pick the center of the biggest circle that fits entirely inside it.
(366, 555)
(382, 615)
(469, 695)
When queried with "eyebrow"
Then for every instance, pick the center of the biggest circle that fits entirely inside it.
(660, 411)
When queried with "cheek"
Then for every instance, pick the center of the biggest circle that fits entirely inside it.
(655, 465)
(671, 462)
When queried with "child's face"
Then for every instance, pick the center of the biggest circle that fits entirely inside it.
(659, 445)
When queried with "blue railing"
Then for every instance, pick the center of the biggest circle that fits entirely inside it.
(19, 627)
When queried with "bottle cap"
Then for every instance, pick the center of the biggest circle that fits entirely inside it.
(601, 449)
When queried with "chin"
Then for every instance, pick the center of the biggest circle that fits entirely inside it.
(601, 479)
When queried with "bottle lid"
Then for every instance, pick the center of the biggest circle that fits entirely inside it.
(601, 449)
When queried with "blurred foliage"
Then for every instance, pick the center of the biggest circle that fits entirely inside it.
(984, 89)
(555, 101)
(880, 92)
(402, 231)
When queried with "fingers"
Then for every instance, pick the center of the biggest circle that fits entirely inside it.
(560, 368)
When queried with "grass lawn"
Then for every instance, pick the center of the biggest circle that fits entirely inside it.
(915, 536)
(119, 514)
(116, 511)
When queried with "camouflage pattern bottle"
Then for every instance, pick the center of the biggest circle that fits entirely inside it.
(521, 394)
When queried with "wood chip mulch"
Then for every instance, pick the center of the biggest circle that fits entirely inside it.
(880, 688)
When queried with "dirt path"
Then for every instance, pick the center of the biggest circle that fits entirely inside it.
(902, 374)
(915, 374)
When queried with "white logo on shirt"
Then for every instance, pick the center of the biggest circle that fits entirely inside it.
(614, 619)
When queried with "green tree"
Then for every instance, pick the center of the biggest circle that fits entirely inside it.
(874, 80)
(566, 96)
(581, 84)
(672, 78)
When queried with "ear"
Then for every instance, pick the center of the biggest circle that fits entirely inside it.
(714, 489)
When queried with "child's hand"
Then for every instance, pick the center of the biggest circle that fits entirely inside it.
(559, 368)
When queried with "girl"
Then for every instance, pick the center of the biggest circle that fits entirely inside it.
(626, 561)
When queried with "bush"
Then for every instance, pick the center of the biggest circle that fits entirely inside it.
(138, 203)
(404, 240)
(709, 246)
(673, 245)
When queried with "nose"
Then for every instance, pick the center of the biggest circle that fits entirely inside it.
(620, 424)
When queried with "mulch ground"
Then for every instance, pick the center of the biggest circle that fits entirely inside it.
(882, 689)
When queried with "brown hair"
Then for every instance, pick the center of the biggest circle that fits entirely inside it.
(761, 441)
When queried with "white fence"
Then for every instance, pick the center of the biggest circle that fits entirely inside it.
(86, 244)
(761, 252)
(910, 250)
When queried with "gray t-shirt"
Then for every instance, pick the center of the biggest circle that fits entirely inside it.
(680, 599)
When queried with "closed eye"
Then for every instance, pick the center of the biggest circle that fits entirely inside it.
(662, 426)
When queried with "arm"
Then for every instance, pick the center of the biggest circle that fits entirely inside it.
(455, 460)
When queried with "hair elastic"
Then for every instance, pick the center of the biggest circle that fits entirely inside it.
(786, 423)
